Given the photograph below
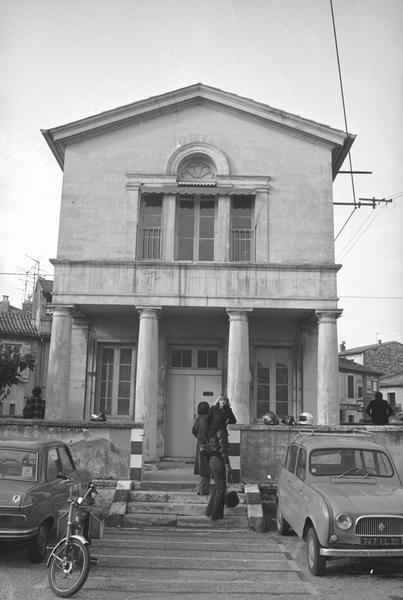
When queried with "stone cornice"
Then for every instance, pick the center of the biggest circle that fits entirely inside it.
(332, 267)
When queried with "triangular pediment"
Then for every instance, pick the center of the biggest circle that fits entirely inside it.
(199, 94)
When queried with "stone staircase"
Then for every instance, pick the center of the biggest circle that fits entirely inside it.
(166, 497)
(178, 506)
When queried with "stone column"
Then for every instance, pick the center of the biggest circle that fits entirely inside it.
(328, 368)
(309, 331)
(57, 389)
(238, 364)
(147, 379)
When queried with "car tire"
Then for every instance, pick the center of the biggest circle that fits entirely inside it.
(283, 527)
(37, 547)
(316, 562)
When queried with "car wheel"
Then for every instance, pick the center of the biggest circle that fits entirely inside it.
(36, 548)
(316, 562)
(282, 526)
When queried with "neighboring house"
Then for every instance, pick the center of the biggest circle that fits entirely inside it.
(385, 357)
(392, 388)
(357, 387)
(26, 330)
(195, 256)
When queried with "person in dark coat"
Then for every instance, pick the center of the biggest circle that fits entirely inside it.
(35, 405)
(219, 466)
(379, 410)
(223, 408)
(200, 431)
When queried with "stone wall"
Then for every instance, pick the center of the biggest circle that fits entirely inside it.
(103, 449)
(263, 448)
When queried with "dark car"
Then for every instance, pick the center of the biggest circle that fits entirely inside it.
(31, 494)
(343, 495)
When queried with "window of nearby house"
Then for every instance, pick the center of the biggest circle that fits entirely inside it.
(115, 380)
(195, 227)
(391, 397)
(241, 228)
(149, 245)
(350, 386)
(21, 350)
(360, 391)
(273, 377)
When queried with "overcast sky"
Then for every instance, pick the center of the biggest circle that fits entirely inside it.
(63, 60)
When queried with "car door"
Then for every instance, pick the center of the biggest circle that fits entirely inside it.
(58, 487)
(297, 493)
(286, 481)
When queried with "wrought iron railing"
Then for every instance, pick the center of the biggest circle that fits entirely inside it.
(241, 244)
(151, 242)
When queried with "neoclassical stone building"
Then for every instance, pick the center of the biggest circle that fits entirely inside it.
(195, 255)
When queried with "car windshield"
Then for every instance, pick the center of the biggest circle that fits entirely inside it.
(350, 462)
(18, 464)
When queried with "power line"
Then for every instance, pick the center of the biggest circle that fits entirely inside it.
(349, 247)
(342, 96)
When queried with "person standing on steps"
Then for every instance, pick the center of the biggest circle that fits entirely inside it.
(223, 408)
(220, 467)
(200, 431)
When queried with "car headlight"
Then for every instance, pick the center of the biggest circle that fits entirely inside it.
(344, 521)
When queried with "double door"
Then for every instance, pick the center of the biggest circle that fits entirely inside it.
(184, 392)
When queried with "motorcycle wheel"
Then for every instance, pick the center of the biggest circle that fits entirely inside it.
(69, 568)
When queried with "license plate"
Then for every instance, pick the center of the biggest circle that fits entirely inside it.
(382, 542)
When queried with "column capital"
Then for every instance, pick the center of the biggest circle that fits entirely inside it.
(239, 314)
(328, 316)
(62, 310)
(149, 312)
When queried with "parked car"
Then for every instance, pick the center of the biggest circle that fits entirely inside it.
(31, 495)
(342, 494)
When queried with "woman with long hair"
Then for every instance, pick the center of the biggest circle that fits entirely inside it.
(200, 431)
(219, 466)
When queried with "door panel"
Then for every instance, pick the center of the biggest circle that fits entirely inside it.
(184, 392)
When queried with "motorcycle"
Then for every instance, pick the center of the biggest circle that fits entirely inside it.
(70, 560)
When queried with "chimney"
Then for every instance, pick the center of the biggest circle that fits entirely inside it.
(27, 306)
(342, 346)
(4, 305)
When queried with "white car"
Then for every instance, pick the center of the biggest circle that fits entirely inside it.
(342, 494)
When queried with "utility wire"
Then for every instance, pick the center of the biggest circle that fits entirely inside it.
(351, 214)
(348, 247)
(342, 99)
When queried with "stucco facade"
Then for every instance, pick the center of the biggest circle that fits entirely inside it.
(195, 256)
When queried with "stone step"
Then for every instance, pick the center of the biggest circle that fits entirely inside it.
(183, 521)
(175, 508)
(179, 497)
(188, 486)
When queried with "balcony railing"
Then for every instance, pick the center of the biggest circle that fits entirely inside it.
(241, 245)
(151, 242)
